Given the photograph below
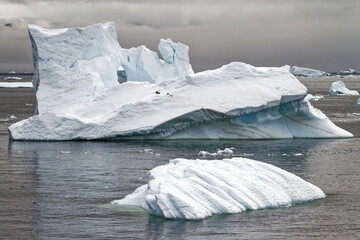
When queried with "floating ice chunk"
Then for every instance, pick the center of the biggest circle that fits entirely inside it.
(314, 97)
(226, 151)
(298, 154)
(16, 85)
(12, 117)
(197, 189)
(358, 101)
(143, 65)
(12, 72)
(339, 89)
(12, 78)
(65, 152)
(307, 72)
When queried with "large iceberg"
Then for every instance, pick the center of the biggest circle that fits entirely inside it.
(79, 97)
(307, 72)
(196, 189)
(339, 89)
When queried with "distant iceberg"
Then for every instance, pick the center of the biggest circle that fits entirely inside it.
(197, 189)
(12, 78)
(339, 89)
(349, 71)
(16, 85)
(307, 72)
(79, 97)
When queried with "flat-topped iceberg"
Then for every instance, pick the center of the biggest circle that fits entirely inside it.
(79, 97)
(197, 189)
(339, 89)
(307, 72)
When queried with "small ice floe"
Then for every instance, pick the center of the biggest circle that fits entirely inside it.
(12, 78)
(284, 154)
(65, 152)
(358, 101)
(298, 154)
(28, 104)
(205, 153)
(16, 85)
(314, 97)
(197, 189)
(226, 151)
(12, 72)
(4, 119)
(339, 89)
(148, 150)
(246, 154)
(12, 117)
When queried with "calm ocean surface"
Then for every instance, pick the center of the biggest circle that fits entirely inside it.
(63, 190)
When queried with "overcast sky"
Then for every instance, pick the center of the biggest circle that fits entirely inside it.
(321, 34)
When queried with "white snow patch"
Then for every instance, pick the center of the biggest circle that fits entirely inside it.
(339, 89)
(197, 189)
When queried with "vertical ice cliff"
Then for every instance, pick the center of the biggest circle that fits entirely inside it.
(143, 65)
(79, 62)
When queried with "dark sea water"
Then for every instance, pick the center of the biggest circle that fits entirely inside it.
(63, 190)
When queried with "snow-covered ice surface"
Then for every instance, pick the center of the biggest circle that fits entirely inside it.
(16, 85)
(12, 78)
(339, 89)
(307, 72)
(79, 97)
(197, 189)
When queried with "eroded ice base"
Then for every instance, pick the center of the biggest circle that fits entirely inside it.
(197, 189)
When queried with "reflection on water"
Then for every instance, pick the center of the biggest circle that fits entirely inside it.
(63, 189)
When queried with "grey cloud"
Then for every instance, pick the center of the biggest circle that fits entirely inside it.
(320, 34)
